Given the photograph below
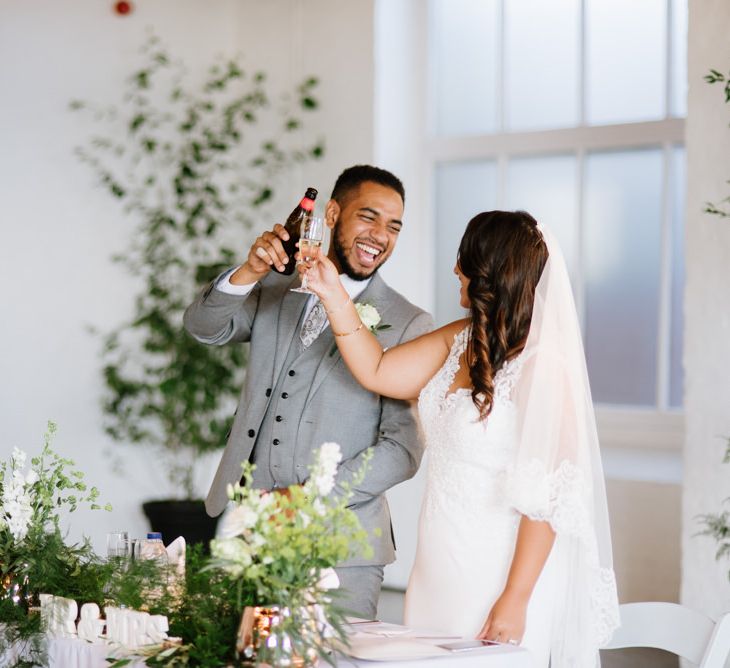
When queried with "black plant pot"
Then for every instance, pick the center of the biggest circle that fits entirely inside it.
(173, 518)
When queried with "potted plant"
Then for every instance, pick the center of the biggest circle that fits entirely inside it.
(193, 170)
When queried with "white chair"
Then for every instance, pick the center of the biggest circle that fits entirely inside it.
(676, 629)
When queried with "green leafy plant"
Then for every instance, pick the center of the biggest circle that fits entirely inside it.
(714, 77)
(195, 167)
(284, 545)
(31, 498)
(275, 549)
(717, 525)
(34, 556)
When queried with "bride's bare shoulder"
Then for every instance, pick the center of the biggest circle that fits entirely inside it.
(449, 332)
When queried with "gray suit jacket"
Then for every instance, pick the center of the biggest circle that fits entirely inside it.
(334, 406)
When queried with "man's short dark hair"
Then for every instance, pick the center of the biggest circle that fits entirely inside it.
(352, 177)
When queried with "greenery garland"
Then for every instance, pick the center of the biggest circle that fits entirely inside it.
(273, 550)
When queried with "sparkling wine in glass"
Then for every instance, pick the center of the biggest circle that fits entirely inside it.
(311, 237)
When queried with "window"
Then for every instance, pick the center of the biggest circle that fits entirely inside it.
(536, 105)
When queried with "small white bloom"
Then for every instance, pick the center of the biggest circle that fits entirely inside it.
(330, 453)
(236, 521)
(232, 550)
(17, 499)
(325, 468)
(18, 458)
(319, 507)
(368, 314)
(263, 501)
(256, 541)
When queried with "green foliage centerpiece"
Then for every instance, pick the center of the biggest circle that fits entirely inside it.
(30, 500)
(33, 554)
(286, 546)
(195, 167)
(262, 597)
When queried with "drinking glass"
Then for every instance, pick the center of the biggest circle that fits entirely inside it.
(311, 236)
(117, 545)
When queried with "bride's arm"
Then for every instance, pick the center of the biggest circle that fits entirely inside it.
(400, 372)
(506, 619)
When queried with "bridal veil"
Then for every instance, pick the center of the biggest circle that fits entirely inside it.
(557, 474)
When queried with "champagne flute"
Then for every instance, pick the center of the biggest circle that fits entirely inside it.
(311, 236)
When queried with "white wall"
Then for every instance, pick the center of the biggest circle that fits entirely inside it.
(58, 231)
(707, 307)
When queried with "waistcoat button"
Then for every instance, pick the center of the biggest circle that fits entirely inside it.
(275, 441)
(251, 433)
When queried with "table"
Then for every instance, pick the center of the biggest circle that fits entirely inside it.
(368, 639)
(383, 645)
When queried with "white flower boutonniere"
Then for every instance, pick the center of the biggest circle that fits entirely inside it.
(370, 318)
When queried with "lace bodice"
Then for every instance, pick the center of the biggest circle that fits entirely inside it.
(465, 452)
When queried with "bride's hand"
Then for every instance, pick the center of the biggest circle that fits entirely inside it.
(322, 276)
(506, 620)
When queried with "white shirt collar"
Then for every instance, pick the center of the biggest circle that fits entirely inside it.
(353, 287)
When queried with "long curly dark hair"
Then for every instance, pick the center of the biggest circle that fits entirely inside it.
(502, 253)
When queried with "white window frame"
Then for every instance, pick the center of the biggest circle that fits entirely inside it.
(658, 429)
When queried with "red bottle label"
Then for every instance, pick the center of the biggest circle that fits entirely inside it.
(307, 204)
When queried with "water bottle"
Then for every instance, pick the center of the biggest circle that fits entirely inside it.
(152, 548)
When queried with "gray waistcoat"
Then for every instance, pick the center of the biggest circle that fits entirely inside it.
(275, 449)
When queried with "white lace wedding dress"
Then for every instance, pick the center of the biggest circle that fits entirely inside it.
(467, 530)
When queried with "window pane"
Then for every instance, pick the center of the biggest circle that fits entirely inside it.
(679, 58)
(541, 63)
(676, 371)
(622, 250)
(546, 188)
(625, 68)
(463, 189)
(464, 34)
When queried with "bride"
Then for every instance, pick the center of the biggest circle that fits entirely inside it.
(513, 541)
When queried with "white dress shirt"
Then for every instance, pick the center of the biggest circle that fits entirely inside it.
(352, 287)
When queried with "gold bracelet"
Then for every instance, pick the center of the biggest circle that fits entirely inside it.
(339, 308)
(354, 331)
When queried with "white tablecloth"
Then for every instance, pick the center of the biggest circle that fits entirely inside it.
(381, 645)
(392, 643)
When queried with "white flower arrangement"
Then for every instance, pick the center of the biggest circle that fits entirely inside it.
(16, 502)
(282, 542)
(285, 545)
(32, 496)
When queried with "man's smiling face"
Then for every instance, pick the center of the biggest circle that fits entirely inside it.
(365, 228)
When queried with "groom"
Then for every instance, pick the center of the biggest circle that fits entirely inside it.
(298, 394)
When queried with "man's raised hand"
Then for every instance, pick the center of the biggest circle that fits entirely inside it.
(266, 252)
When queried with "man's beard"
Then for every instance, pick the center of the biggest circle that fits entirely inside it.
(344, 261)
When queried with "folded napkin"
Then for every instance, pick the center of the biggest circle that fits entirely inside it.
(176, 559)
(176, 555)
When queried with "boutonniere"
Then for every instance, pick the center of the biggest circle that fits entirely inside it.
(370, 318)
